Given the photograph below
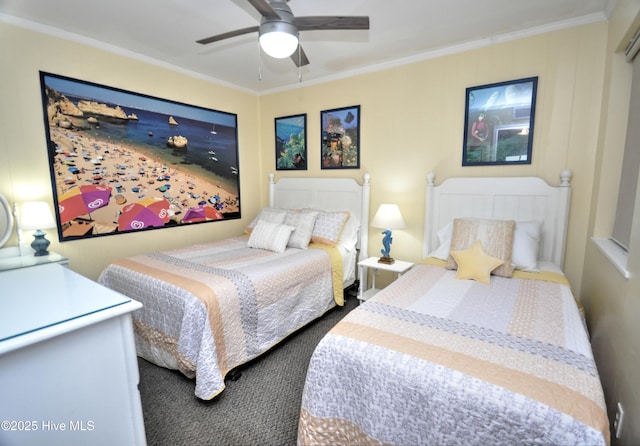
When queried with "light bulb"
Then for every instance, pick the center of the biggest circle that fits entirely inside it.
(278, 44)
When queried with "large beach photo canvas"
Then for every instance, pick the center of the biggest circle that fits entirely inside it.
(122, 161)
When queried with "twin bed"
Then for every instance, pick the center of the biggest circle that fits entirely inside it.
(440, 358)
(465, 348)
(212, 307)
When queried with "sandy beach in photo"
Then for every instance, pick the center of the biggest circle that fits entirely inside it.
(132, 174)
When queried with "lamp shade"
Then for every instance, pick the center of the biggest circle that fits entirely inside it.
(36, 215)
(278, 39)
(388, 216)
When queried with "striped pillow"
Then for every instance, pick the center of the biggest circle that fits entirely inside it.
(496, 237)
(271, 236)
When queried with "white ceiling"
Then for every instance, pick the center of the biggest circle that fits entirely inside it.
(164, 32)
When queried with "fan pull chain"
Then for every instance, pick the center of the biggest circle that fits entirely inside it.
(299, 60)
(259, 62)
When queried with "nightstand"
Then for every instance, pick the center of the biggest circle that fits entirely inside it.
(398, 267)
(27, 260)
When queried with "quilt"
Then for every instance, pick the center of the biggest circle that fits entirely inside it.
(211, 307)
(432, 359)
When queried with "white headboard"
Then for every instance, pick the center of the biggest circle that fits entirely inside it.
(504, 198)
(329, 194)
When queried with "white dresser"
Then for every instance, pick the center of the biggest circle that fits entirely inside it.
(68, 367)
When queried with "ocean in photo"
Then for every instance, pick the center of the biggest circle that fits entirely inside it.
(211, 148)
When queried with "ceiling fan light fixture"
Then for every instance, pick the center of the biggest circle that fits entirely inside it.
(278, 39)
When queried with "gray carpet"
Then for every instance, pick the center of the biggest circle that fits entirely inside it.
(260, 408)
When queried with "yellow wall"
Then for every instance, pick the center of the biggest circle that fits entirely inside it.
(412, 120)
(612, 303)
(24, 171)
(411, 123)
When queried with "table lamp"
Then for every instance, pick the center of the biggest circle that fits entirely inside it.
(388, 217)
(37, 215)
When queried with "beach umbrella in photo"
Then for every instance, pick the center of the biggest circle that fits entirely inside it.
(201, 213)
(145, 213)
(82, 200)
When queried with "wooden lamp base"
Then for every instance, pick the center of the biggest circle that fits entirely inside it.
(386, 260)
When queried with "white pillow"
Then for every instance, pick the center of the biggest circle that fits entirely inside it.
(303, 221)
(445, 234)
(526, 241)
(271, 236)
(349, 236)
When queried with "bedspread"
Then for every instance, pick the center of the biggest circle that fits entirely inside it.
(211, 307)
(436, 360)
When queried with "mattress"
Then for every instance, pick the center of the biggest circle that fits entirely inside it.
(349, 262)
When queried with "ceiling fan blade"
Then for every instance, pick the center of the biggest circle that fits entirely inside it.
(299, 57)
(237, 32)
(265, 9)
(331, 22)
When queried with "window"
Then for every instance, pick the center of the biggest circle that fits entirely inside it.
(617, 246)
(631, 162)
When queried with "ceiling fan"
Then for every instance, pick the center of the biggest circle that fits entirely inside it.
(278, 30)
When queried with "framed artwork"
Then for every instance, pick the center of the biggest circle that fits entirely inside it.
(291, 142)
(498, 123)
(340, 144)
(124, 162)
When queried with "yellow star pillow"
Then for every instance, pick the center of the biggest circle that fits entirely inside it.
(475, 264)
